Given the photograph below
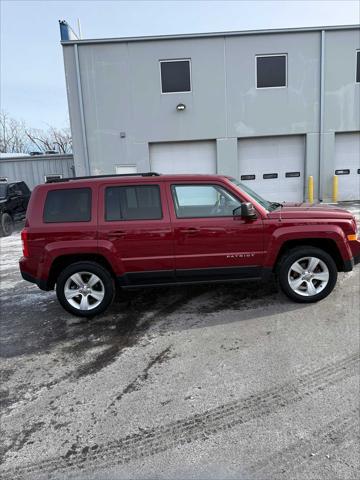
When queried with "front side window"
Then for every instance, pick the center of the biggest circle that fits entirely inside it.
(203, 201)
(175, 76)
(358, 66)
(68, 205)
(271, 71)
(141, 202)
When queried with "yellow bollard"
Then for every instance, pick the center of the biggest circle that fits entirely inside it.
(311, 189)
(335, 188)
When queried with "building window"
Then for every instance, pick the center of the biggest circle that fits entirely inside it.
(271, 71)
(133, 203)
(358, 66)
(125, 169)
(175, 76)
(68, 205)
(53, 176)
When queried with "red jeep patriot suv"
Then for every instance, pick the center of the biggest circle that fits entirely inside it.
(88, 235)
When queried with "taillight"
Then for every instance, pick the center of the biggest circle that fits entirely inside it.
(24, 239)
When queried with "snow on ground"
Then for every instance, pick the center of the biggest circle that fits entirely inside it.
(10, 253)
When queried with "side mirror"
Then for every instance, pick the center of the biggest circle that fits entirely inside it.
(246, 210)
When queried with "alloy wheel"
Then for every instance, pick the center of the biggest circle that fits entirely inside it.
(84, 290)
(308, 276)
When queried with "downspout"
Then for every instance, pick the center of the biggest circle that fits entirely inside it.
(66, 32)
(81, 108)
(321, 122)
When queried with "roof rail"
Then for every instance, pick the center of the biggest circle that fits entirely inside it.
(143, 174)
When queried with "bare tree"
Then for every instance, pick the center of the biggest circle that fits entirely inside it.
(13, 137)
(62, 139)
(16, 137)
(51, 139)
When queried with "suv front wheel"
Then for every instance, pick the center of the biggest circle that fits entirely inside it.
(85, 289)
(307, 274)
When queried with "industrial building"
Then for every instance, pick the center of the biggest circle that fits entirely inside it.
(269, 107)
(35, 169)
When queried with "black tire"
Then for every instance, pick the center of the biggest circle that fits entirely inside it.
(6, 225)
(299, 253)
(107, 288)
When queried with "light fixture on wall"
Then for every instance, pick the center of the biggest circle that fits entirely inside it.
(181, 107)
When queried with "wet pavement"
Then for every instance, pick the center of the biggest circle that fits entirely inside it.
(226, 381)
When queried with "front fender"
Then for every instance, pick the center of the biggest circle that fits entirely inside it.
(285, 234)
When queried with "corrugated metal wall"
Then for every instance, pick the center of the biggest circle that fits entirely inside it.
(33, 169)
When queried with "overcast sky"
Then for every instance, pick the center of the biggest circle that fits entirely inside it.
(32, 72)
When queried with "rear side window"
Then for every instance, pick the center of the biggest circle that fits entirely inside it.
(24, 188)
(133, 203)
(68, 205)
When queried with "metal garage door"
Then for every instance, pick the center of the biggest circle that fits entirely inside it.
(183, 157)
(273, 166)
(347, 165)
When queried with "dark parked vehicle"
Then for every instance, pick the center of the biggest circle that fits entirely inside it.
(88, 235)
(14, 199)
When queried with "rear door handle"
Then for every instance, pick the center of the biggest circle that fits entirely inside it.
(190, 230)
(117, 233)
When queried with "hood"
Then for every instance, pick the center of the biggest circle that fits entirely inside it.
(310, 210)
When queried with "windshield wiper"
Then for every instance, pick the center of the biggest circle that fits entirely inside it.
(275, 205)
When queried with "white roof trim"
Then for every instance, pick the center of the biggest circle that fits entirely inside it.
(211, 34)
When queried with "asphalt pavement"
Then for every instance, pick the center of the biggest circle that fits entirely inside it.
(201, 382)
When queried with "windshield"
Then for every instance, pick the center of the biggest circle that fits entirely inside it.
(269, 206)
(3, 189)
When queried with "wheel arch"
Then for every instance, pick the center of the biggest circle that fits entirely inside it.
(64, 261)
(326, 244)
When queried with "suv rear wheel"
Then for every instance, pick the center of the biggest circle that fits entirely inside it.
(85, 289)
(6, 225)
(307, 274)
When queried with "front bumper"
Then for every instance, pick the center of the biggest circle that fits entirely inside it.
(349, 264)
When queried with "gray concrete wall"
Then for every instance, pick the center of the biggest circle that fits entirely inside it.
(121, 92)
(341, 97)
(32, 169)
(74, 101)
(273, 111)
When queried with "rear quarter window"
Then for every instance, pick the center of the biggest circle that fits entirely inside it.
(68, 205)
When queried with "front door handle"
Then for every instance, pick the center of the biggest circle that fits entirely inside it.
(190, 230)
